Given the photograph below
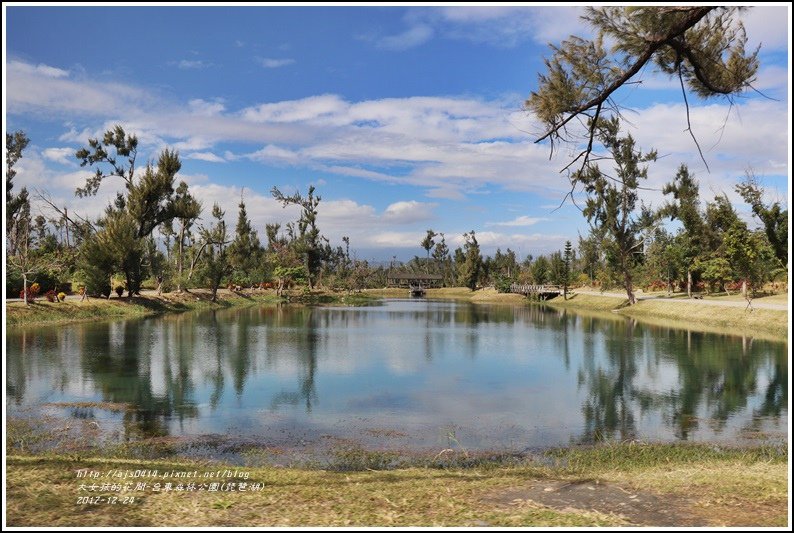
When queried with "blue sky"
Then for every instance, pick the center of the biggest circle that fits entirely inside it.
(404, 118)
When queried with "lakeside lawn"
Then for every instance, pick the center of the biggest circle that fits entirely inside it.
(608, 485)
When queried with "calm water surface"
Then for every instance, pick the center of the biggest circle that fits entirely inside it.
(409, 373)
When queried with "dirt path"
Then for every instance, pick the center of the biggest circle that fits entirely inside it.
(636, 507)
(740, 304)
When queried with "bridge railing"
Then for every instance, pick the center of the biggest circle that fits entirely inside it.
(520, 288)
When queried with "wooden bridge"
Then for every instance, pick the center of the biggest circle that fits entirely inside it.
(544, 292)
(416, 283)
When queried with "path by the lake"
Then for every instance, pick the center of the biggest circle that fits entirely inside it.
(721, 303)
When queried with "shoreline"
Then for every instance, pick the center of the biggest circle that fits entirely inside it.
(73, 311)
(770, 324)
(700, 316)
(624, 484)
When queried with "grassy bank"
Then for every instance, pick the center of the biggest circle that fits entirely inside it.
(73, 310)
(766, 323)
(487, 295)
(626, 484)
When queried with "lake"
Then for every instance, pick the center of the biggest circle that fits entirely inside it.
(407, 374)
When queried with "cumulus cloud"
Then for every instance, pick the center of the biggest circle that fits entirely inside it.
(206, 108)
(192, 64)
(410, 211)
(450, 147)
(269, 62)
(521, 221)
(40, 69)
(64, 156)
(410, 38)
(205, 156)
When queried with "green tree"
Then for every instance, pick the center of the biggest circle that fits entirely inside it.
(215, 265)
(148, 203)
(442, 259)
(612, 200)
(541, 270)
(749, 255)
(773, 217)
(17, 205)
(308, 241)
(245, 251)
(469, 270)
(428, 243)
(95, 266)
(187, 209)
(716, 271)
(702, 46)
(590, 254)
(568, 258)
(556, 268)
(686, 208)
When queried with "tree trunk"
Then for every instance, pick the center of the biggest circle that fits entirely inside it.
(744, 288)
(25, 288)
(180, 261)
(629, 288)
(689, 283)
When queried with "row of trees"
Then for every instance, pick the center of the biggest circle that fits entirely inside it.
(627, 244)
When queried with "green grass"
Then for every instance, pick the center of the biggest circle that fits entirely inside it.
(766, 323)
(44, 312)
(720, 486)
(757, 323)
(589, 302)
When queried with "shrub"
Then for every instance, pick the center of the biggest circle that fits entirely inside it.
(61, 296)
(51, 296)
(119, 290)
(503, 283)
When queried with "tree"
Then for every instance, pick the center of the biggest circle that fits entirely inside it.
(308, 241)
(702, 46)
(748, 253)
(216, 255)
(428, 243)
(686, 208)
(95, 266)
(245, 252)
(541, 270)
(149, 200)
(568, 259)
(469, 270)
(716, 271)
(590, 254)
(442, 259)
(612, 201)
(773, 217)
(17, 206)
(188, 210)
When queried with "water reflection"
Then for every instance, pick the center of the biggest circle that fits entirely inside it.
(524, 376)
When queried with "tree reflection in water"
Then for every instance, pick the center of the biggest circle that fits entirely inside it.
(626, 376)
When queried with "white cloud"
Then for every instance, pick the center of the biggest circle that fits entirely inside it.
(313, 108)
(40, 69)
(410, 211)
(448, 146)
(64, 156)
(274, 154)
(192, 64)
(509, 26)
(205, 108)
(413, 36)
(205, 156)
(521, 221)
(768, 26)
(269, 62)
